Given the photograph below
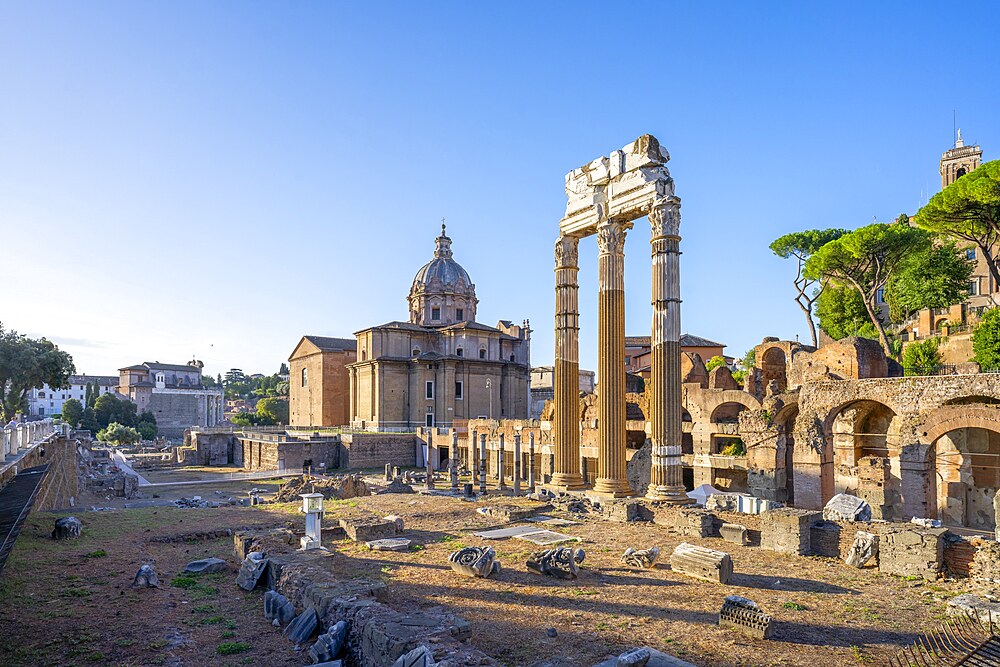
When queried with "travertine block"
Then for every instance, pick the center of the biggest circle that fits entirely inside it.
(702, 563)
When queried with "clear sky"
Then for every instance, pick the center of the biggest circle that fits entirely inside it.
(220, 178)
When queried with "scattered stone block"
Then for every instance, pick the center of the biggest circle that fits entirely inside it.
(864, 549)
(475, 562)
(67, 528)
(390, 544)
(146, 578)
(398, 520)
(278, 609)
(685, 522)
(973, 605)
(504, 533)
(418, 657)
(845, 507)
(329, 645)
(787, 530)
(507, 513)
(561, 562)
(546, 537)
(723, 502)
(332, 663)
(626, 511)
(637, 657)
(655, 659)
(643, 559)
(744, 615)
(702, 563)
(302, 626)
(397, 485)
(206, 566)
(368, 530)
(908, 550)
(926, 523)
(251, 570)
(735, 533)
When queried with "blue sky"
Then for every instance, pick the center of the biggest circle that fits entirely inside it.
(220, 178)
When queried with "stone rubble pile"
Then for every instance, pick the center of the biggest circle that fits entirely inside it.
(339, 487)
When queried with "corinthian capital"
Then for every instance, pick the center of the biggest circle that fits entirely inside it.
(611, 237)
(566, 251)
(665, 217)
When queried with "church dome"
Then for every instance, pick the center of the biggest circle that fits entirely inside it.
(442, 292)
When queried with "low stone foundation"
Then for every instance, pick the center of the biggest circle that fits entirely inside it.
(788, 531)
(912, 551)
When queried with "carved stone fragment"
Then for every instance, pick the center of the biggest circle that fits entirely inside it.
(562, 562)
(702, 563)
(251, 570)
(475, 562)
(643, 559)
(278, 609)
(845, 507)
(744, 615)
(865, 548)
(302, 627)
(146, 578)
(735, 533)
(418, 657)
(67, 528)
(329, 645)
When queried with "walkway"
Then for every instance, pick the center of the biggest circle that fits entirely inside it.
(122, 463)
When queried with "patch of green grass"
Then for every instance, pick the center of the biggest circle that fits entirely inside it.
(583, 591)
(76, 593)
(912, 577)
(860, 656)
(203, 609)
(795, 606)
(231, 624)
(157, 644)
(416, 547)
(184, 581)
(231, 648)
(96, 656)
(205, 592)
(100, 553)
(124, 642)
(449, 538)
(212, 620)
(227, 634)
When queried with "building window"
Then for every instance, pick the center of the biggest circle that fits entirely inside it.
(364, 355)
(41, 411)
(460, 352)
(459, 395)
(512, 357)
(460, 315)
(960, 173)
(973, 288)
(482, 354)
(416, 352)
(305, 377)
(970, 253)
(880, 296)
(435, 313)
(628, 359)
(429, 389)
(41, 394)
(429, 419)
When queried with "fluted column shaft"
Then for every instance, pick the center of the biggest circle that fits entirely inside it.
(611, 478)
(666, 482)
(566, 473)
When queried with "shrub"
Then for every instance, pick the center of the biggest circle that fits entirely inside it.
(923, 355)
(986, 340)
(231, 648)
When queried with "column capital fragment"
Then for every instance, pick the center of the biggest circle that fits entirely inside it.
(567, 252)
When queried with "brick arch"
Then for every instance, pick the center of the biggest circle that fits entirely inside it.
(831, 415)
(730, 396)
(950, 418)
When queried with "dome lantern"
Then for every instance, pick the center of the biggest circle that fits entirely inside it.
(442, 292)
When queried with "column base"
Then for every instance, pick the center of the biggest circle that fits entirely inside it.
(612, 488)
(672, 495)
(566, 482)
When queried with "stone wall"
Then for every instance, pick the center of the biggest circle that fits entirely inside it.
(911, 551)
(374, 450)
(212, 449)
(60, 486)
(276, 451)
(788, 530)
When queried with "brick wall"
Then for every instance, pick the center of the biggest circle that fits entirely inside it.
(374, 450)
(60, 486)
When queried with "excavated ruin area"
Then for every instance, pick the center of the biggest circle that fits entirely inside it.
(71, 602)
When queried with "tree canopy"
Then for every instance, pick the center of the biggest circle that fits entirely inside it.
(72, 412)
(26, 364)
(933, 276)
(801, 246)
(986, 340)
(116, 434)
(969, 209)
(841, 313)
(275, 409)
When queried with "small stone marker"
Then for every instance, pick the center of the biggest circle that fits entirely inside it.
(702, 563)
(469, 492)
(865, 548)
(735, 533)
(418, 657)
(637, 657)
(388, 472)
(251, 570)
(206, 566)
(475, 562)
(278, 609)
(845, 507)
(390, 544)
(643, 559)
(302, 627)
(744, 615)
(67, 528)
(329, 645)
(146, 578)
(561, 562)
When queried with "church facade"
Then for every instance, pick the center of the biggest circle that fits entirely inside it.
(441, 365)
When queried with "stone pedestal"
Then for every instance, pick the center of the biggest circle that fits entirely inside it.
(611, 479)
(566, 472)
(517, 464)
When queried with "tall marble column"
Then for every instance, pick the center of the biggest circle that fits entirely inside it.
(611, 479)
(566, 472)
(666, 482)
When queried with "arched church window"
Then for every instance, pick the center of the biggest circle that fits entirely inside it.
(415, 352)
(960, 173)
(482, 353)
(364, 355)
(460, 352)
(305, 377)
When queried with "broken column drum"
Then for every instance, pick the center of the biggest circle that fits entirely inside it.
(702, 563)
(604, 197)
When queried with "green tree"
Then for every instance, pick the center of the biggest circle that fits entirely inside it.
(934, 276)
(969, 209)
(283, 370)
(275, 409)
(72, 412)
(95, 392)
(801, 246)
(146, 430)
(89, 397)
(89, 421)
(26, 364)
(986, 340)
(108, 409)
(116, 434)
(715, 362)
(865, 259)
(922, 357)
(841, 314)
(208, 381)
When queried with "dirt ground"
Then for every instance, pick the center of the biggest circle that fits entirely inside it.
(70, 603)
